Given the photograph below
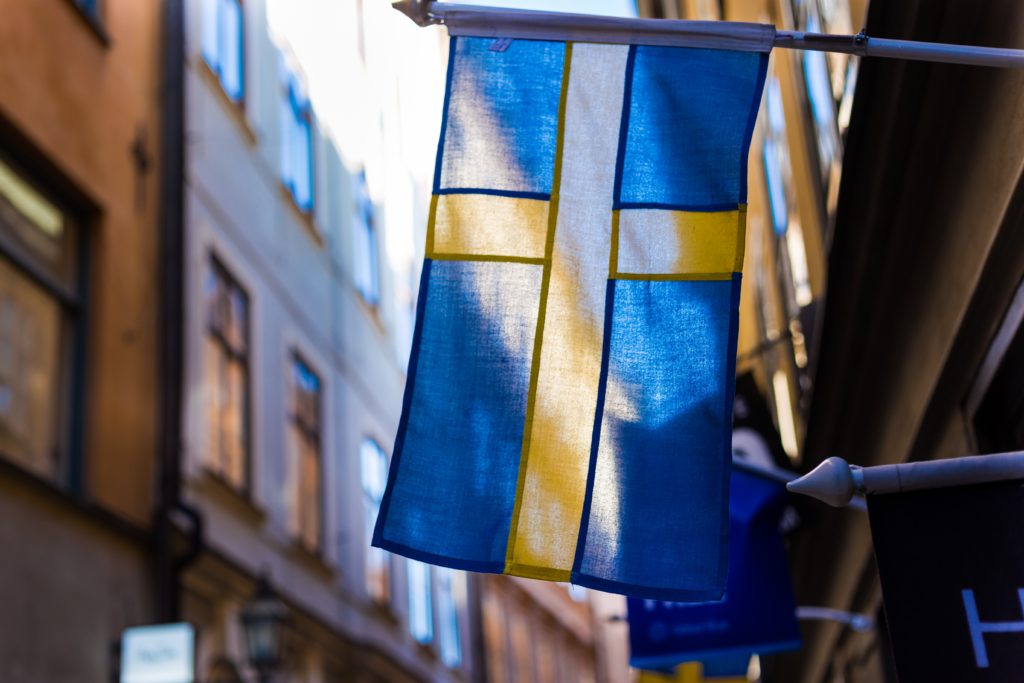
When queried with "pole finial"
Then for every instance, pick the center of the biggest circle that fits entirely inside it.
(417, 10)
(830, 482)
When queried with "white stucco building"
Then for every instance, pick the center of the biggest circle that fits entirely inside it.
(310, 130)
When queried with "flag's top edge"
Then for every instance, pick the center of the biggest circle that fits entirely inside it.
(464, 20)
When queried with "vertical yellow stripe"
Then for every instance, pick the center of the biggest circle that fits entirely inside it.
(567, 356)
(430, 225)
(545, 282)
(613, 261)
(741, 239)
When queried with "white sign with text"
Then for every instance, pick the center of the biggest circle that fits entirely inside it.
(158, 654)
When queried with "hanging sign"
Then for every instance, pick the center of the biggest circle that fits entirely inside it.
(951, 563)
(164, 653)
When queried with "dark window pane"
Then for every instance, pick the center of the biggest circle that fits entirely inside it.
(304, 449)
(30, 349)
(38, 293)
(227, 377)
(999, 422)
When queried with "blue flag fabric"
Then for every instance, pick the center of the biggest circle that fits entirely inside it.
(568, 404)
(757, 615)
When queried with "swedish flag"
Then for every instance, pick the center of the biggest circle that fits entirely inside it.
(567, 413)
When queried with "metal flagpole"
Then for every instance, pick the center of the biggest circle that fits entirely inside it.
(508, 23)
(857, 622)
(836, 482)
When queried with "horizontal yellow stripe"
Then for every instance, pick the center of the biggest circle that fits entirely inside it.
(680, 242)
(481, 224)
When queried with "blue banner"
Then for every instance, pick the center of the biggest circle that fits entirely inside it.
(757, 615)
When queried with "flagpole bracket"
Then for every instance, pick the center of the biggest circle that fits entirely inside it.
(417, 10)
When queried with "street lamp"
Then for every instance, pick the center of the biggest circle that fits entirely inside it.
(264, 620)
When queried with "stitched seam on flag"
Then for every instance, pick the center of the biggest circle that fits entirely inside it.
(403, 422)
(741, 238)
(513, 194)
(730, 388)
(695, 208)
(529, 260)
(595, 439)
(674, 276)
(755, 105)
(529, 571)
(444, 113)
(549, 247)
(613, 257)
(652, 662)
(485, 567)
(620, 158)
(430, 226)
(645, 591)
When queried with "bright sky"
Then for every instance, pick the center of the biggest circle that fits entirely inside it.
(620, 8)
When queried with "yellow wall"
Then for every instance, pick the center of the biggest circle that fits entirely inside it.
(80, 103)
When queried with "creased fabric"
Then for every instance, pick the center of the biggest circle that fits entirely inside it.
(568, 406)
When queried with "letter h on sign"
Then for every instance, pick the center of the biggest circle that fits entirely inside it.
(979, 628)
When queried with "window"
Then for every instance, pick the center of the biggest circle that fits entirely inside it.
(227, 377)
(997, 402)
(823, 104)
(450, 594)
(374, 469)
(224, 44)
(304, 447)
(495, 636)
(39, 272)
(776, 157)
(367, 269)
(421, 610)
(297, 143)
(522, 666)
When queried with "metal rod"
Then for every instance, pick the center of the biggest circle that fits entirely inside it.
(835, 481)
(857, 622)
(509, 23)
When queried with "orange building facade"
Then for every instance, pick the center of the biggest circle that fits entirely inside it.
(79, 206)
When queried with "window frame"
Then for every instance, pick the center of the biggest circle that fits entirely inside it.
(218, 268)
(295, 421)
(1007, 337)
(217, 69)
(430, 636)
(71, 300)
(372, 502)
(300, 111)
(365, 214)
(449, 632)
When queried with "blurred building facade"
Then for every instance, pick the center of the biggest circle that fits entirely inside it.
(303, 197)
(79, 336)
(794, 171)
(921, 344)
(884, 277)
(544, 632)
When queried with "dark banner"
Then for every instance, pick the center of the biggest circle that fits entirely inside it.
(757, 613)
(952, 568)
